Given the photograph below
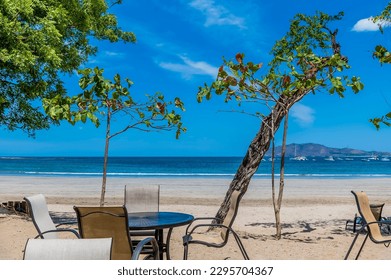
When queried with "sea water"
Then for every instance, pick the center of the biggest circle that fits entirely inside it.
(207, 167)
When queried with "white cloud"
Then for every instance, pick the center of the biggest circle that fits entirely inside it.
(302, 114)
(189, 68)
(367, 24)
(217, 14)
(114, 54)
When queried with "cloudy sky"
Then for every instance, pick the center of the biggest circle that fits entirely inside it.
(180, 46)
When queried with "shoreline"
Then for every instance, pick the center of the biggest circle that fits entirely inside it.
(194, 187)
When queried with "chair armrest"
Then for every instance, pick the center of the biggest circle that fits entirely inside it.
(66, 223)
(206, 225)
(142, 243)
(59, 230)
(387, 222)
(187, 238)
(200, 218)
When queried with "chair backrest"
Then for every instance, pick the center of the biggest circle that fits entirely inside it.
(142, 198)
(377, 210)
(106, 222)
(68, 249)
(40, 215)
(364, 209)
(232, 212)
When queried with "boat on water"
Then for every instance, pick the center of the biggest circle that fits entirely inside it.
(329, 158)
(385, 159)
(373, 157)
(299, 158)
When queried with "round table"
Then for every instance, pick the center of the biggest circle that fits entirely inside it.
(159, 221)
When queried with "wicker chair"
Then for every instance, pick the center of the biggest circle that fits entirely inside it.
(218, 237)
(42, 221)
(68, 249)
(370, 224)
(106, 222)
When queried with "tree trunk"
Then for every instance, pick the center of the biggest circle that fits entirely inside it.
(258, 147)
(277, 203)
(105, 158)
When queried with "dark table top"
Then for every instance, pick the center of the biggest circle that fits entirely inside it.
(158, 220)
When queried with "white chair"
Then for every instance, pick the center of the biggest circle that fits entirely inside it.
(68, 249)
(42, 221)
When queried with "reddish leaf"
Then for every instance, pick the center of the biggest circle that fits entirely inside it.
(239, 58)
(161, 107)
(286, 81)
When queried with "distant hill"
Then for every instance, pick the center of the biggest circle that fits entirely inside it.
(317, 150)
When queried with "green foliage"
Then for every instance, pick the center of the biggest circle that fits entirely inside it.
(102, 96)
(306, 59)
(384, 56)
(382, 120)
(40, 41)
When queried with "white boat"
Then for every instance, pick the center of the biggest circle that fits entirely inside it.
(329, 158)
(299, 158)
(385, 159)
(373, 157)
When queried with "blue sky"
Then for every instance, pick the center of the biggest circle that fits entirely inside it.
(180, 45)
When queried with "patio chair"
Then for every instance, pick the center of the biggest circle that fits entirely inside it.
(42, 221)
(142, 199)
(68, 249)
(218, 237)
(370, 224)
(376, 209)
(104, 222)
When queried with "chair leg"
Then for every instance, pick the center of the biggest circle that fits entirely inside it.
(168, 244)
(362, 246)
(241, 247)
(351, 246)
(185, 250)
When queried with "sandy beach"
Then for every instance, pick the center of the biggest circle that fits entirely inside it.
(314, 213)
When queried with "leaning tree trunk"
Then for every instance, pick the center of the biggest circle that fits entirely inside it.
(258, 147)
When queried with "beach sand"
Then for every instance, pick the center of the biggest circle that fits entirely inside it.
(313, 214)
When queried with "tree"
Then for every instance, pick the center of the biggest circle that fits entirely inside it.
(384, 56)
(307, 59)
(41, 40)
(103, 97)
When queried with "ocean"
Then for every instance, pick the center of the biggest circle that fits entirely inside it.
(199, 167)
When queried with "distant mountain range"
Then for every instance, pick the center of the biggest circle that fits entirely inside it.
(317, 150)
